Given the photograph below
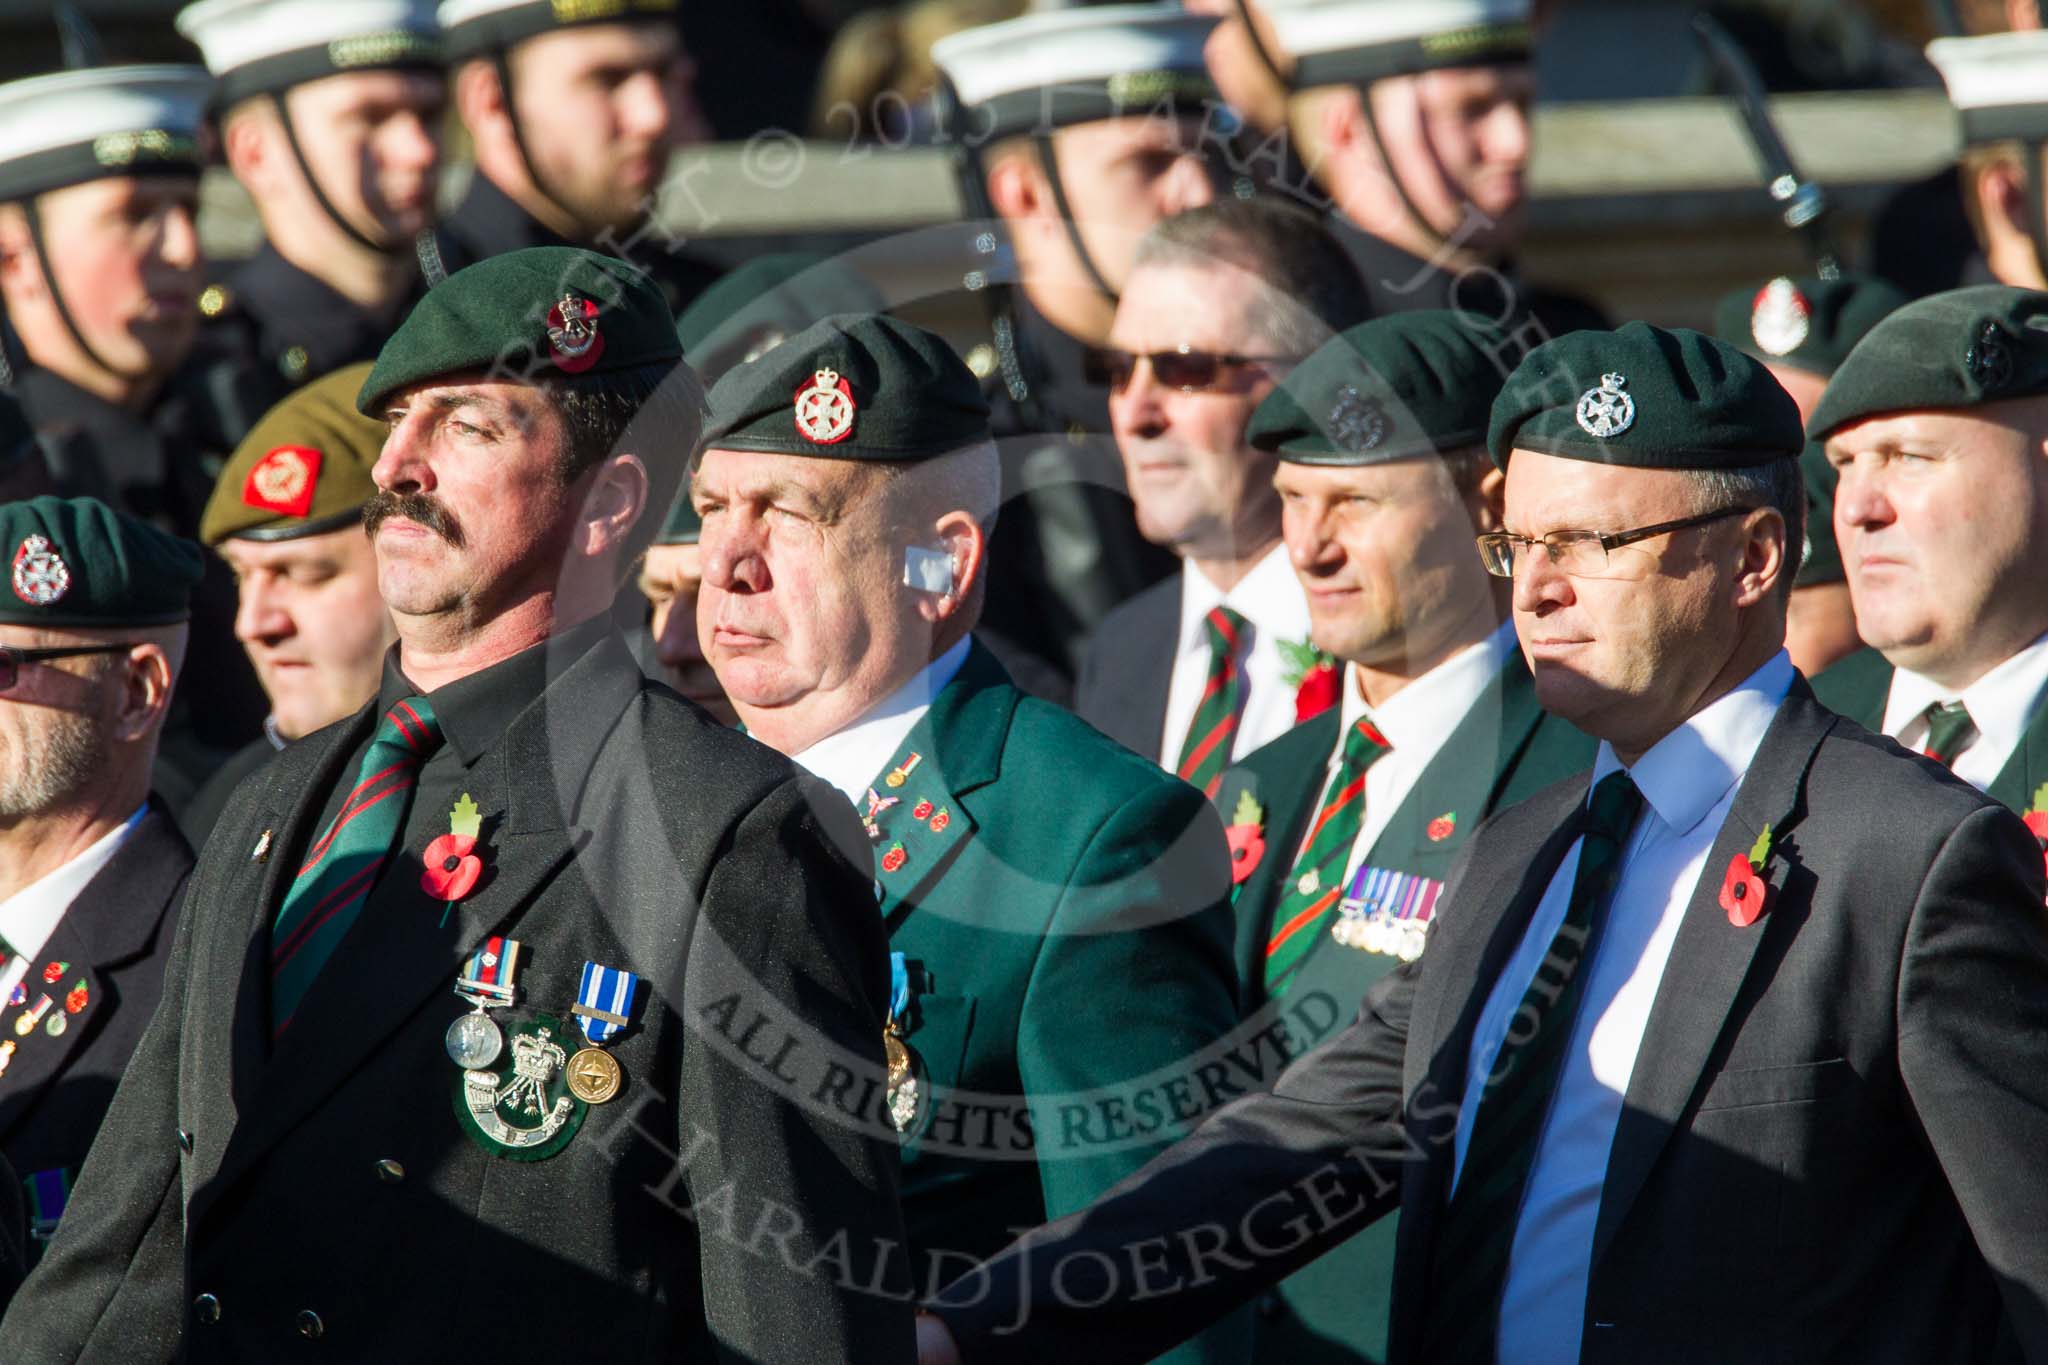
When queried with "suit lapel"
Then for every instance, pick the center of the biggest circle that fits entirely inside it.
(2027, 769)
(955, 748)
(1709, 960)
(265, 872)
(1143, 652)
(403, 950)
(109, 924)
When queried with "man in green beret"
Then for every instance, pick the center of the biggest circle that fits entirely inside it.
(1935, 425)
(574, 111)
(1755, 956)
(93, 633)
(465, 974)
(1344, 828)
(1056, 905)
(1802, 329)
(287, 516)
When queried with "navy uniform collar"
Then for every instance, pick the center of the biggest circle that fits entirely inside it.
(475, 712)
(490, 222)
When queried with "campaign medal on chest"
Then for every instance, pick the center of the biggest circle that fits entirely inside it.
(604, 1006)
(525, 1111)
(1388, 913)
(904, 1090)
(475, 1041)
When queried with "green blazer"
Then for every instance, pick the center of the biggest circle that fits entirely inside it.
(1860, 685)
(1505, 748)
(1062, 908)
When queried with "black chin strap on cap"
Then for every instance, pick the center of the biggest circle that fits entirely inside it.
(1372, 130)
(1048, 157)
(1251, 33)
(972, 174)
(291, 137)
(35, 236)
(502, 63)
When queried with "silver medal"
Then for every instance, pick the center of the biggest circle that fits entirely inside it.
(474, 1041)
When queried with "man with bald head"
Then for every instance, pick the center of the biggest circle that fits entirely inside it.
(1725, 1051)
(1937, 425)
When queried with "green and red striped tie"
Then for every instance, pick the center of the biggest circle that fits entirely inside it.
(340, 869)
(1205, 753)
(1318, 878)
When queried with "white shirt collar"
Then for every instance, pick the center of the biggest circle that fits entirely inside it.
(1270, 597)
(1686, 773)
(32, 914)
(1429, 707)
(850, 758)
(2000, 703)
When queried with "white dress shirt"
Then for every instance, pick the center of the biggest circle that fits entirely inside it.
(1416, 721)
(32, 914)
(850, 758)
(2000, 704)
(1688, 781)
(1270, 600)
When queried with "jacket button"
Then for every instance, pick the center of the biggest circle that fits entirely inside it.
(389, 1171)
(310, 1325)
(185, 1141)
(206, 1308)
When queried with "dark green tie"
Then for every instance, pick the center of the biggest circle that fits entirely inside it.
(1949, 728)
(340, 869)
(1469, 1261)
(1316, 882)
(1205, 753)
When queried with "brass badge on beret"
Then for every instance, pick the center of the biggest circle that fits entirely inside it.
(825, 408)
(284, 481)
(1356, 422)
(41, 578)
(1780, 318)
(573, 337)
(1606, 411)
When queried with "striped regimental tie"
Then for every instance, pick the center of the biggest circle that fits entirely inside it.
(1469, 1261)
(340, 869)
(1949, 731)
(1205, 753)
(1317, 880)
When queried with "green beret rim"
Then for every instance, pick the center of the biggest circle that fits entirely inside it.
(1596, 451)
(1320, 449)
(74, 621)
(866, 450)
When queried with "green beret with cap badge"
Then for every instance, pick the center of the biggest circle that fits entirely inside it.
(1960, 349)
(538, 315)
(76, 562)
(856, 386)
(1394, 388)
(1646, 398)
(1807, 324)
(303, 470)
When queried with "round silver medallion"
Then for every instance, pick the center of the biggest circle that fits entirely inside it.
(474, 1041)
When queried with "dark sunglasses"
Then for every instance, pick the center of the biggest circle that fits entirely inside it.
(1185, 369)
(12, 659)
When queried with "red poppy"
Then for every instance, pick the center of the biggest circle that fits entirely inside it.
(1441, 827)
(1742, 892)
(1317, 693)
(1247, 846)
(2037, 823)
(894, 858)
(452, 867)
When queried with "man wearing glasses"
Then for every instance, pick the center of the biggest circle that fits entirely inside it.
(92, 637)
(1345, 827)
(1727, 1051)
(1935, 424)
(1207, 666)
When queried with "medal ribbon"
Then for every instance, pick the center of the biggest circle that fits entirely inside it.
(488, 975)
(604, 1000)
(48, 1193)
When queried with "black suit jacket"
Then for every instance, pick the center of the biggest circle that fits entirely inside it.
(116, 937)
(1128, 667)
(322, 1188)
(1829, 1146)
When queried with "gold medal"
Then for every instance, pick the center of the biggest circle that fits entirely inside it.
(594, 1075)
(905, 1092)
